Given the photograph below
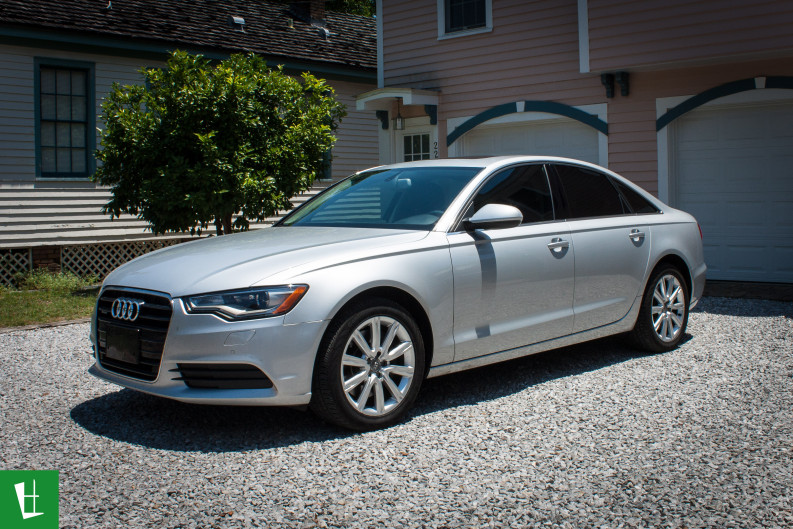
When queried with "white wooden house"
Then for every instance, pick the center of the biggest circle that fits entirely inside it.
(58, 59)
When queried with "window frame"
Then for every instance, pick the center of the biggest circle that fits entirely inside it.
(421, 150)
(619, 185)
(90, 122)
(556, 205)
(559, 191)
(443, 34)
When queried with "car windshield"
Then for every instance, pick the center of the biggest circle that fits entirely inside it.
(399, 198)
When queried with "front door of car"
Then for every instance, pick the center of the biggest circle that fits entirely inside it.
(612, 246)
(513, 286)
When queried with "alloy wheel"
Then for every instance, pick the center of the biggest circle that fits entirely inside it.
(378, 366)
(668, 308)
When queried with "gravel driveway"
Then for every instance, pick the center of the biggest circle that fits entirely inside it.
(596, 435)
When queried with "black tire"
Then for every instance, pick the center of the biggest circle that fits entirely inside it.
(329, 399)
(665, 338)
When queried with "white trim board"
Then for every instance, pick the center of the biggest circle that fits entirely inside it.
(441, 11)
(583, 36)
(380, 54)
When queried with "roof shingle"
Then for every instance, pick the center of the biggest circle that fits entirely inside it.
(204, 24)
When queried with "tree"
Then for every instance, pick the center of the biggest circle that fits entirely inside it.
(203, 144)
(365, 8)
(355, 7)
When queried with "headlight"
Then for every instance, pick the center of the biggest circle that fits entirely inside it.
(260, 302)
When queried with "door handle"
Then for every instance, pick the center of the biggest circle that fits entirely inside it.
(557, 244)
(636, 235)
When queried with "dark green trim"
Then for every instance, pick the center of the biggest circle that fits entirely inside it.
(138, 48)
(382, 115)
(548, 107)
(490, 113)
(432, 112)
(779, 82)
(552, 107)
(726, 89)
(90, 124)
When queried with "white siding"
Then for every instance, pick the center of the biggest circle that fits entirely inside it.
(356, 139)
(17, 140)
(17, 161)
(59, 216)
(46, 212)
(38, 212)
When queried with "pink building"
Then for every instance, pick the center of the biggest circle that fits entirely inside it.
(692, 100)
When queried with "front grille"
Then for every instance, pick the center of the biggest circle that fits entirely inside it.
(146, 335)
(223, 376)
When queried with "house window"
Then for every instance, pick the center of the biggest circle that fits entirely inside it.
(65, 121)
(463, 17)
(417, 147)
(465, 14)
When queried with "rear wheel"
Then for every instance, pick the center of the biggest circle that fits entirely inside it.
(664, 312)
(370, 367)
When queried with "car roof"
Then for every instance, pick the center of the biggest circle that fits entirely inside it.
(483, 162)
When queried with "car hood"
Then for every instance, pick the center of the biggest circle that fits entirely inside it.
(246, 259)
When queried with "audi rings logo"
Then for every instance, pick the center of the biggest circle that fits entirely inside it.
(126, 309)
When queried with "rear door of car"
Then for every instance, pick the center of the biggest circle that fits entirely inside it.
(513, 286)
(612, 244)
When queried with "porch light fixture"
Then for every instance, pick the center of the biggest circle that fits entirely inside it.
(399, 122)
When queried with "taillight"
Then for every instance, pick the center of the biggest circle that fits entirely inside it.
(700, 230)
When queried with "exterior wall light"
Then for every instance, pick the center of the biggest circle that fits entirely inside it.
(399, 122)
(607, 79)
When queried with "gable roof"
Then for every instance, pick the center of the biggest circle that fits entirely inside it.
(200, 25)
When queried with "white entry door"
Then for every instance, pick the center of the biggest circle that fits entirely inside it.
(418, 141)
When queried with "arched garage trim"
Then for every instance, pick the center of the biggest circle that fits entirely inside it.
(721, 91)
(548, 107)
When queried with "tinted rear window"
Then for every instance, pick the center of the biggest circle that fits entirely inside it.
(637, 203)
(588, 193)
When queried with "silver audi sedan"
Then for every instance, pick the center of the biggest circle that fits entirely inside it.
(397, 274)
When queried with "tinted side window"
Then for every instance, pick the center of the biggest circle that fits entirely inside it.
(638, 203)
(525, 187)
(588, 193)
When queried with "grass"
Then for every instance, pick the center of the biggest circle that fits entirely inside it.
(45, 297)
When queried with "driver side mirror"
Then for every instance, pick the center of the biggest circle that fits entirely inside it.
(494, 217)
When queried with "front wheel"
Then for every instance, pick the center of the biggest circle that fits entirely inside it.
(664, 312)
(370, 366)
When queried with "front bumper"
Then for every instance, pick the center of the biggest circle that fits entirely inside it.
(284, 353)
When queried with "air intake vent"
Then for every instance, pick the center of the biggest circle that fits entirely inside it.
(223, 376)
(131, 344)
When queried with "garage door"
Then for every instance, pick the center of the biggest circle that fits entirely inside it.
(549, 138)
(733, 170)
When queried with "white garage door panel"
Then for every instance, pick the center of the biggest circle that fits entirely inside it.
(783, 260)
(734, 172)
(550, 138)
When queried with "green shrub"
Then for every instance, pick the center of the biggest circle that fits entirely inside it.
(42, 279)
(222, 144)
